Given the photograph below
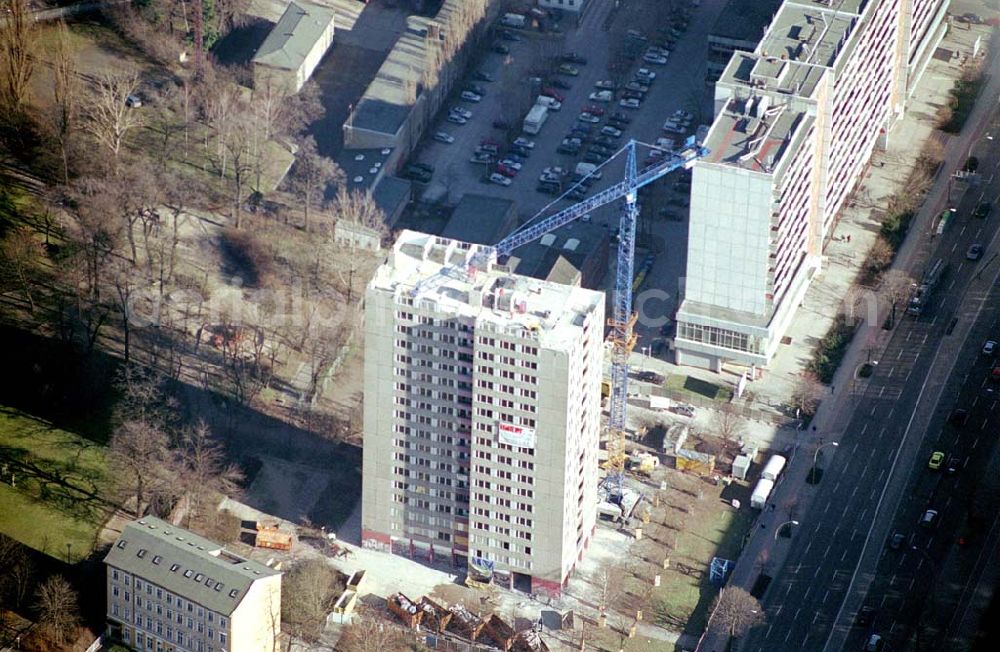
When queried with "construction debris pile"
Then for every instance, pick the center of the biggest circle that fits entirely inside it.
(459, 621)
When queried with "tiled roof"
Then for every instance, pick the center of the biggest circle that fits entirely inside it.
(185, 564)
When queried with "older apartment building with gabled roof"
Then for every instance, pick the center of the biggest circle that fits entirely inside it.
(170, 590)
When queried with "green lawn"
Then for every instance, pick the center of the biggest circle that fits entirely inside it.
(59, 482)
(684, 596)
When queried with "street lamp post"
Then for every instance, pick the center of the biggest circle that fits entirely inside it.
(812, 479)
(778, 529)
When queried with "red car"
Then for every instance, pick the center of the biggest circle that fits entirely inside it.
(506, 171)
(593, 109)
(551, 92)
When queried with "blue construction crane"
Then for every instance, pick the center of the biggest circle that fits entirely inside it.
(622, 319)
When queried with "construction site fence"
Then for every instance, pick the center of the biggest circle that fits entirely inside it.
(739, 406)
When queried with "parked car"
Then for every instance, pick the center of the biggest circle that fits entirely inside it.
(521, 141)
(593, 109)
(577, 194)
(554, 94)
(629, 103)
(654, 59)
(566, 69)
(953, 466)
(560, 83)
(866, 617)
(520, 152)
(133, 101)
(482, 158)
(499, 179)
(507, 35)
(456, 119)
(510, 173)
(594, 157)
(557, 170)
(511, 163)
(989, 348)
(572, 150)
(983, 210)
(500, 48)
(588, 117)
(462, 111)
(443, 137)
(896, 541)
(416, 173)
(929, 518)
(603, 150)
(469, 96)
(645, 73)
(605, 84)
(621, 117)
(573, 57)
(480, 75)
(633, 95)
(975, 252)
(636, 86)
(937, 458)
(601, 96)
(501, 124)
(548, 188)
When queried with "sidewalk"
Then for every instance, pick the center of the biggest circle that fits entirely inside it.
(824, 299)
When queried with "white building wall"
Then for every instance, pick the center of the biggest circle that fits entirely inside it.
(728, 238)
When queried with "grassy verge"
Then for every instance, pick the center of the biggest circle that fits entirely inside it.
(56, 504)
(685, 596)
(830, 350)
(697, 388)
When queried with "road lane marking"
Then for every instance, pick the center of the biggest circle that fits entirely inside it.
(827, 551)
(809, 546)
(912, 580)
(843, 555)
(892, 580)
(826, 595)
(816, 574)
(864, 429)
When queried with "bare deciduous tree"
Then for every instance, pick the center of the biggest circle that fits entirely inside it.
(65, 89)
(895, 288)
(311, 176)
(16, 573)
(880, 255)
(18, 53)
(736, 611)
(108, 118)
(201, 463)
(728, 423)
(19, 254)
(358, 208)
(58, 609)
(806, 395)
(369, 632)
(309, 590)
(137, 455)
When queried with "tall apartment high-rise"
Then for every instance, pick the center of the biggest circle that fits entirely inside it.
(796, 123)
(481, 414)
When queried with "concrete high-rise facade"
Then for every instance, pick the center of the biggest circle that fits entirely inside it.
(796, 123)
(482, 414)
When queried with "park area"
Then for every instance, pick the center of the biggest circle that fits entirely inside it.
(52, 494)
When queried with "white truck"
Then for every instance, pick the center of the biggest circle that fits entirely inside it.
(773, 468)
(758, 499)
(535, 119)
(514, 20)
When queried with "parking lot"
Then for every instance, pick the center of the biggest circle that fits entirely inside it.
(678, 86)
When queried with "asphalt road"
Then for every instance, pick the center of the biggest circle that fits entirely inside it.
(905, 578)
(805, 600)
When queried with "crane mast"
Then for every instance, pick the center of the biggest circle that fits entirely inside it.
(622, 318)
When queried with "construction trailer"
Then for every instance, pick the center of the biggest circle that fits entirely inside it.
(270, 535)
(773, 467)
(408, 612)
(501, 633)
(741, 467)
(761, 492)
